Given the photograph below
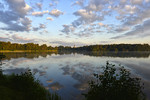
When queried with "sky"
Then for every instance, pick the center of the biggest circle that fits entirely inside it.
(75, 22)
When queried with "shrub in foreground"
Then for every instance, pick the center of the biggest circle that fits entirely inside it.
(115, 84)
(23, 87)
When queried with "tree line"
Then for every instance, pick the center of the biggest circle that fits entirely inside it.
(111, 47)
(116, 47)
(27, 46)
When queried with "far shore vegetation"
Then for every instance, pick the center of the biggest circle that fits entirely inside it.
(28, 50)
(31, 47)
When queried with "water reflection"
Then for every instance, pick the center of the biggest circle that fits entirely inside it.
(55, 86)
(49, 81)
(32, 55)
(15, 71)
(68, 74)
(40, 72)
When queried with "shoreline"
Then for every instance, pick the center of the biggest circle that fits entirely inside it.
(1, 51)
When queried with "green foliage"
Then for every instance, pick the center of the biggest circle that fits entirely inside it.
(112, 47)
(27, 46)
(116, 47)
(23, 87)
(115, 84)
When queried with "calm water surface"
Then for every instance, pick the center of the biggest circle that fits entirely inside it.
(68, 74)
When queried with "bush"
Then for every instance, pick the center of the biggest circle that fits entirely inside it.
(115, 84)
(23, 87)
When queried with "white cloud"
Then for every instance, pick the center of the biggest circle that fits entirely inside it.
(39, 14)
(39, 5)
(142, 30)
(100, 24)
(80, 3)
(122, 29)
(49, 18)
(137, 2)
(131, 9)
(56, 13)
(54, 3)
(4, 38)
(94, 7)
(65, 43)
(41, 26)
(20, 39)
(68, 29)
(45, 11)
(85, 17)
(19, 6)
(123, 1)
(27, 8)
(147, 1)
(129, 13)
(18, 9)
(84, 14)
(26, 22)
(51, 5)
(134, 20)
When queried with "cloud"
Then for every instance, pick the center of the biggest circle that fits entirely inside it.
(1, 6)
(64, 43)
(121, 29)
(16, 70)
(49, 18)
(54, 3)
(39, 5)
(105, 42)
(86, 31)
(19, 7)
(138, 31)
(83, 34)
(14, 22)
(51, 5)
(100, 24)
(85, 17)
(17, 38)
(40, 14)
(56, 13)
(131, 9)
(68, 29)
(136, 2)
(4, 39)
(41, 26)
(147, 1)
(55, 86)
(79, 3)
(26, 22)
(134, 20)
(127, 15)
(15, 18)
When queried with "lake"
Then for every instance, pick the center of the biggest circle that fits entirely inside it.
(68, 74)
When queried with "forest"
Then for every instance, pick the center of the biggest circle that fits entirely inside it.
(110, 47)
